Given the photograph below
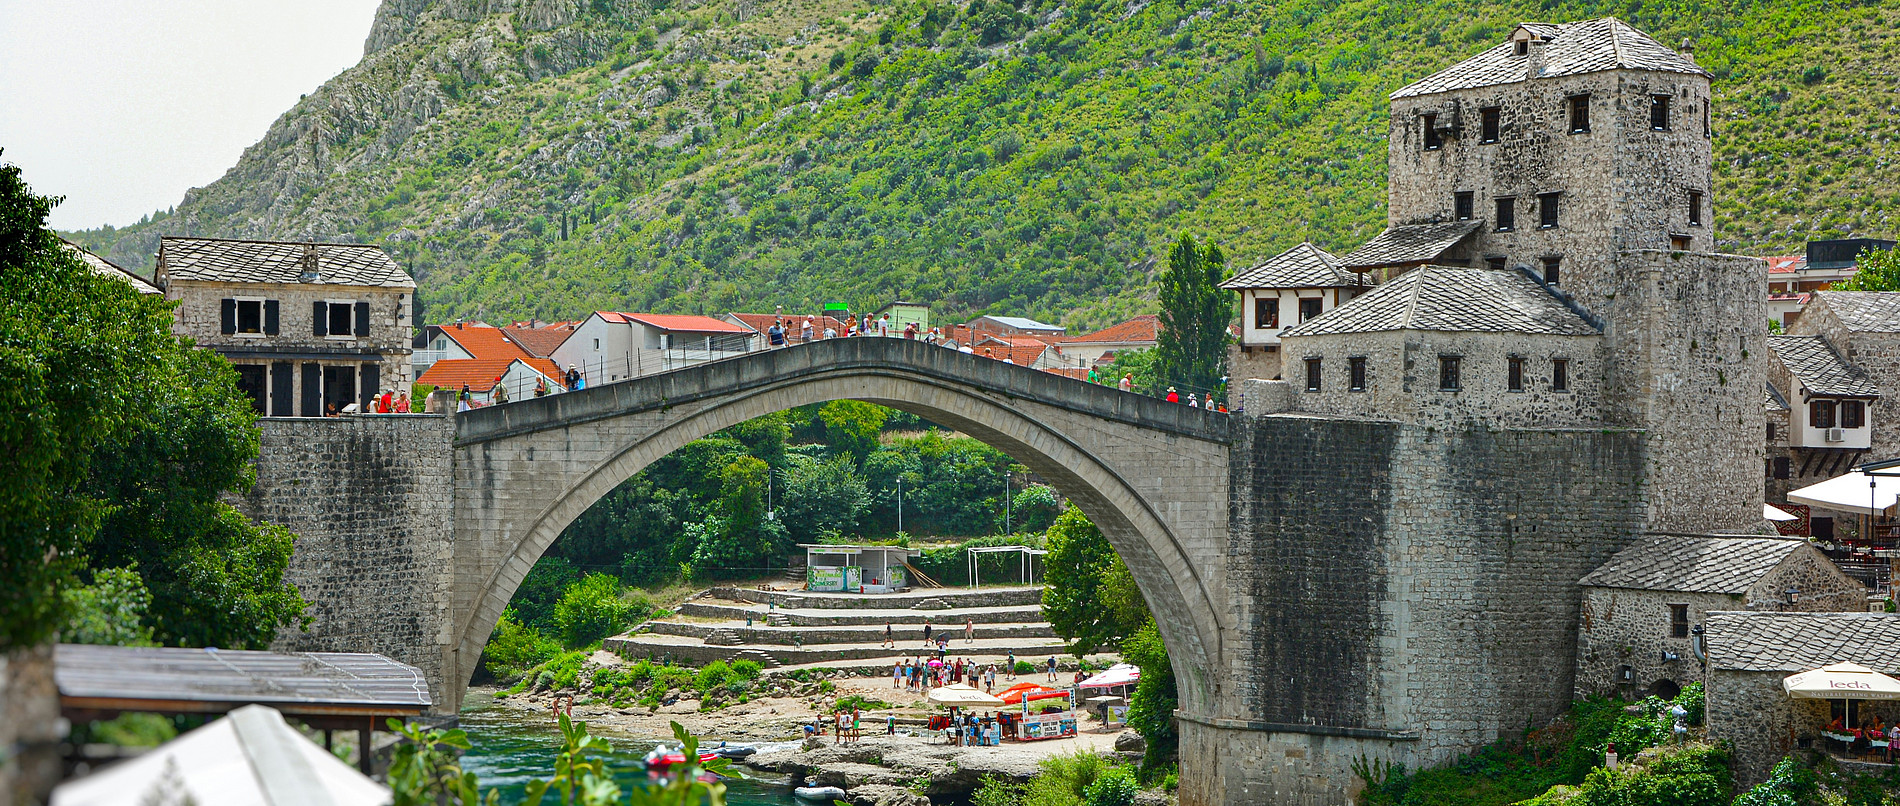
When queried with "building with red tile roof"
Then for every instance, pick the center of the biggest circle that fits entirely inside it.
(540, 339)
(611, 346)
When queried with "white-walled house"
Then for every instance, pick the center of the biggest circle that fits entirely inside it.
(611, 346)
(1830, 400)
(1289, 288)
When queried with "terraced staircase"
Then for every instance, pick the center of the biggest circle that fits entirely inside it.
(798, 627)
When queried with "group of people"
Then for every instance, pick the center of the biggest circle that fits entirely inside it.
(1193, 400)
(918, 675)
(846, 726)
(573, 379)
(1872, 729)
(385, 402)
(969, 730)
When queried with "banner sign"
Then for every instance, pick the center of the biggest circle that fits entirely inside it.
(898, 578)
(853, 577)
(824, 579)
(1048, 726)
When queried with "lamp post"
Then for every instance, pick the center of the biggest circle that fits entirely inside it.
(1872, 470)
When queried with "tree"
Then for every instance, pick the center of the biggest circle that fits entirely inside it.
(592, 609)
(1076, 598)
(1151, 709)
(852, 426)
(821, 496)
(1875, 270)
(110, 611)
(1191, 347)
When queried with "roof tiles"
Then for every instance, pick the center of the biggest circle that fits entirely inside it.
(1408, 244)
(232, 261)
(1572, 48)
(1816, 366)
(1303, 266)
(1451, 300)
(1797, 642)
(685, 323)
(1702, 564)
(1865, 311)
(1139, 330)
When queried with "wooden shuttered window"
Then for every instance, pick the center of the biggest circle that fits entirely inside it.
(370, 386)
(227, 316)
(362, 319)
(320, 318)
(312, 397)
(270, 317)
(281, 404)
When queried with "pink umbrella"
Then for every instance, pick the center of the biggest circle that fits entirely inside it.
(935, 663)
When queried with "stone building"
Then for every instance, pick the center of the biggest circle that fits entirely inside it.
(1793, 279)
(1751, 653)
(1643, 608)
(309, 326)
(109, 269)
(1288, 289)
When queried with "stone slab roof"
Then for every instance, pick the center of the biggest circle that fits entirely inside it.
(1303, 266)
(1452, 300)
(1573, 48)
(1796, 642)
(1773, 399)
(1708, 564)
(1816, 366)
(1409, 243)
(230, 261)
(110, 269)
(1865, 311)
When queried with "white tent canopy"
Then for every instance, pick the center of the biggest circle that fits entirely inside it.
(962, 695)
(1851, 493)
(1850, 681)
(1774, 513)
(249, 757)
(1121, 674)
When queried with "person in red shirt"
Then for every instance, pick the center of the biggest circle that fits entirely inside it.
(1173, 396)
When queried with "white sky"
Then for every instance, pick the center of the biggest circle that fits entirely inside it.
(123, 105)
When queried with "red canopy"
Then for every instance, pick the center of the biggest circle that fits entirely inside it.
(1015, 695)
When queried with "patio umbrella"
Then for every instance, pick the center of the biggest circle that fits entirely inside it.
(1032, 693)
(1775, 513)
(962, 695)
(1842, 681)
(1121, 674)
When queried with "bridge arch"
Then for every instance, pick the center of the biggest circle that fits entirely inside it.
(1151, 475)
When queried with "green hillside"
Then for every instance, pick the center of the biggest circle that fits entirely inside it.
(1033, 159)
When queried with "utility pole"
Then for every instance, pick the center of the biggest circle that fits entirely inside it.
(900, 504)
(1006, 498)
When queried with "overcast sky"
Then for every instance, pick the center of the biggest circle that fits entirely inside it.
(123, 105)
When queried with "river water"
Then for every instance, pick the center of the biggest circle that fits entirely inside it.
(512, 748)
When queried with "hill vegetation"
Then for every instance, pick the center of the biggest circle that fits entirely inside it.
(1034, 157)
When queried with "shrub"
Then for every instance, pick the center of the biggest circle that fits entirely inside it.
(1065, 780)
(590, 610)
(514, 647)
(1115, 787)
(1791, 784)
(850, 702)
(1025, 667)
(994, 791)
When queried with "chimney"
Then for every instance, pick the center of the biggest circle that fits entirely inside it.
(310, 274)
(1534, 57)
(1688, 45)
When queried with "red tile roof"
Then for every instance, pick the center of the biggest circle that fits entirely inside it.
(485, 342)
(479, 374)
(1021, 355)
(1786, 264)
(672, 321)
(540, 341)
(1139, 330)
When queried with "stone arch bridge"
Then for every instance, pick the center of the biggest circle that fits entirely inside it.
(1329, 591)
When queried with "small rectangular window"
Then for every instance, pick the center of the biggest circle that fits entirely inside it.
(1679, 621)
(1853, 414)
(250, 316)
(1432, 140)
(1523, 47)
(1312, 375)
(1448, 373)
(1495, 263)
(1462, 205)
(1310, 307)
(1356, 372)
(1560, 374)
(1679, 243)
(1491, 123)
(597, 344)
(1515, 374)
(1507, 214)
(1551, 267)
(1781, 467)
(1266, 313)
(1821, 414)
(1547, 210)
(1579, 114)
(1659, 112)
(1695, 208)
(340, 318)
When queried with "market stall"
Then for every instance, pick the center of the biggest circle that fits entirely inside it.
(1028, 726)
(857, 569)
(960, 728)
(1851, 735)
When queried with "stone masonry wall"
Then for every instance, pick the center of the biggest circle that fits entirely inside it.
(1402, 380)
(1622, 627)
(1751, 710)
(1408, 593)
(371, 500)
(200, 310)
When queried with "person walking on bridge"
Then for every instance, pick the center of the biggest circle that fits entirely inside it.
(775, 335)
(1173, 396)
(804, 331)
(1127, 383)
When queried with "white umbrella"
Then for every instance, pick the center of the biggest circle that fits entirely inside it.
(962, 695)
(250, 757)
(1775, 513)
(1851, 493)
(1121, 674)
(1850, 681)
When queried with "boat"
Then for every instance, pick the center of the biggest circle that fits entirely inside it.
(663, 756)
(734, 751)
(822, 794)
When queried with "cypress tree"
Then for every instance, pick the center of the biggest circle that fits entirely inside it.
(1191, 349)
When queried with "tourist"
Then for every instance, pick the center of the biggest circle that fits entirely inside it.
(1127, 383)
(775, 335)
(499, 394)
(1095, 377)
(1172, 396)
(1194, 402)
(910, 330)
(402, 403)
(385, 403)
(989, 679)
(830, 332)
(1052, 668)
(966, 349)
(804, 331)
(969, 630)
(540, 386)
(888, 641)
(573, 377)
(897, 674)
(890, 724)
(990, 353)
(1009, 666)
(857, 726)
(810, 728)
(926, 633)
(462, 400)
(884, 326)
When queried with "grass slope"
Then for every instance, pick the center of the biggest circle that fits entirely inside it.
(986, 158)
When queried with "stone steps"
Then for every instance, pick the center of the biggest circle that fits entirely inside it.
(930, 599)
(758, 656)
(682, 649)
(735, 634)
(737, 611)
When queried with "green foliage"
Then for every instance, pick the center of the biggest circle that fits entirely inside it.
(1034, 508)
(131, 729)
(1874, 270)
(514, 648)
(851, 702)
(1695, 775)
(1064, 780)
(821, 496)
(1151, 707)
(996, 790)
(120, 442)
(423, 769)
(1191, 345)
(1114, 787)
(110, 611)
(1139, 366)
(1790, 784)
(853, 426)
(1075, 572)
(592, 609)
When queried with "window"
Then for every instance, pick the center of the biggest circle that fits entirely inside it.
(1781, 467)
(1679, 621)
(1490, 120)
(1659, 113)
(1515, 374)
(1579, 114)
(1551, 266)
(1821, 414)
(1462, 205)
(1448, 373)
(1853, 414)
(1266, 313)
(247, 317)
(1507, 214)
(1560, 375)
(1771, 432)
(340, 319)
(1695, 208)
(597, 344)
(1523, 47)
(1356, 373)
(1310, 307)
(1547, 210)
(1495, 263)
(1432, 140)
(1679, 243)
(1312, 374)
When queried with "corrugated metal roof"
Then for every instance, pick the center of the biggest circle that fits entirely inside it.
(227, 676)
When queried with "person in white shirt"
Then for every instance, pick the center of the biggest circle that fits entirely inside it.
(884, 326)
(1127, 382)
(804, 331)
